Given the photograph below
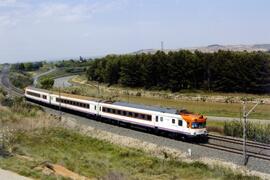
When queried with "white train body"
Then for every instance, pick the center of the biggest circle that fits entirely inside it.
(164, 119)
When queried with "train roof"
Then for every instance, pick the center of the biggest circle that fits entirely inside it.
(65, 94)
(150, 108)
(118, 103)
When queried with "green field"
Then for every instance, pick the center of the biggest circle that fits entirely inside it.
(95, 158)
(202, 107)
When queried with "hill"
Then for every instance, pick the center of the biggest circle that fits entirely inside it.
(214, 48)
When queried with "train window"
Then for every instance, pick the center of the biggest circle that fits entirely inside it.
(156, 118)
(149, 117)
(173, 121)
(113, 111)
(118, 112)
(180, 123)
(136, 115)
(142, 116)
(104, 109)
(44, 97)
(161, 119)
(95, 107)
(130, 114)
(124, 113)
(33, 94)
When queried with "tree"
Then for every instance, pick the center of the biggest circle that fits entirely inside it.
(47, 83)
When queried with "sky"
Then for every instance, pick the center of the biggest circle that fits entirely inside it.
(32, 30)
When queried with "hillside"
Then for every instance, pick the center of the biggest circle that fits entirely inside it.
(214, 48)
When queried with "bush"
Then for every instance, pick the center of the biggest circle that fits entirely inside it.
(21, 80)
(47, 83)
(255, 131)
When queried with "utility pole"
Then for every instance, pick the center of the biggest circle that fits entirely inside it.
(245, 115)
(60, 113)
(244, 133)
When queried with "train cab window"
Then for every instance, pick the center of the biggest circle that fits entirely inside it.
(161, 119)
(156, 118)
(180, 123)
(173, 121)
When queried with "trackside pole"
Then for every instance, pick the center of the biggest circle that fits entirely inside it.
(244, 133)
(245, 115)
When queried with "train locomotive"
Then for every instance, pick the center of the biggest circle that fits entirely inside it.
(180, 122)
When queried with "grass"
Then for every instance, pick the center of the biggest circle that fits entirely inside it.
(203, 107)
(95, 158)
(20, 80)
(255, 132)
(44, 68)
(60, 72)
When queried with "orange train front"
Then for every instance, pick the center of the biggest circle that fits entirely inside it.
(196, 123)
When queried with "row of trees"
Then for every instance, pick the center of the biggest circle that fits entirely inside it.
(28, 66)
(221, 71)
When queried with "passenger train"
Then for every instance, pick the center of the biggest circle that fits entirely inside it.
(179, 122)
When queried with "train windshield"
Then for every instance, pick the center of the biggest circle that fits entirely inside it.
(197, 125)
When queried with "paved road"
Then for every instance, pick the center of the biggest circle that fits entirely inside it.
(215, 118)
(42, 74)
(63, 81)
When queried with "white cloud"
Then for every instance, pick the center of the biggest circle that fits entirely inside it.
(12, 11)
(64, 12)
(7, 2)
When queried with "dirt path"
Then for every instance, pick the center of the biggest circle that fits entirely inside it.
(8, 175)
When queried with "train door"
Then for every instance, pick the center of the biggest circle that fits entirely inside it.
(97, 109)
(50, 99)
(161, 121)
(156, 121)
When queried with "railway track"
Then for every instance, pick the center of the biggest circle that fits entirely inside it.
(7, 86)
(235, 145)
(223, 143)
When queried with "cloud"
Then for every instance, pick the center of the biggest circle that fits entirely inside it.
(64, 12)
(13, 12)
(7, 2)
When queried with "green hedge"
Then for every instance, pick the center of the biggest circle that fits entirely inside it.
(255, 131)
